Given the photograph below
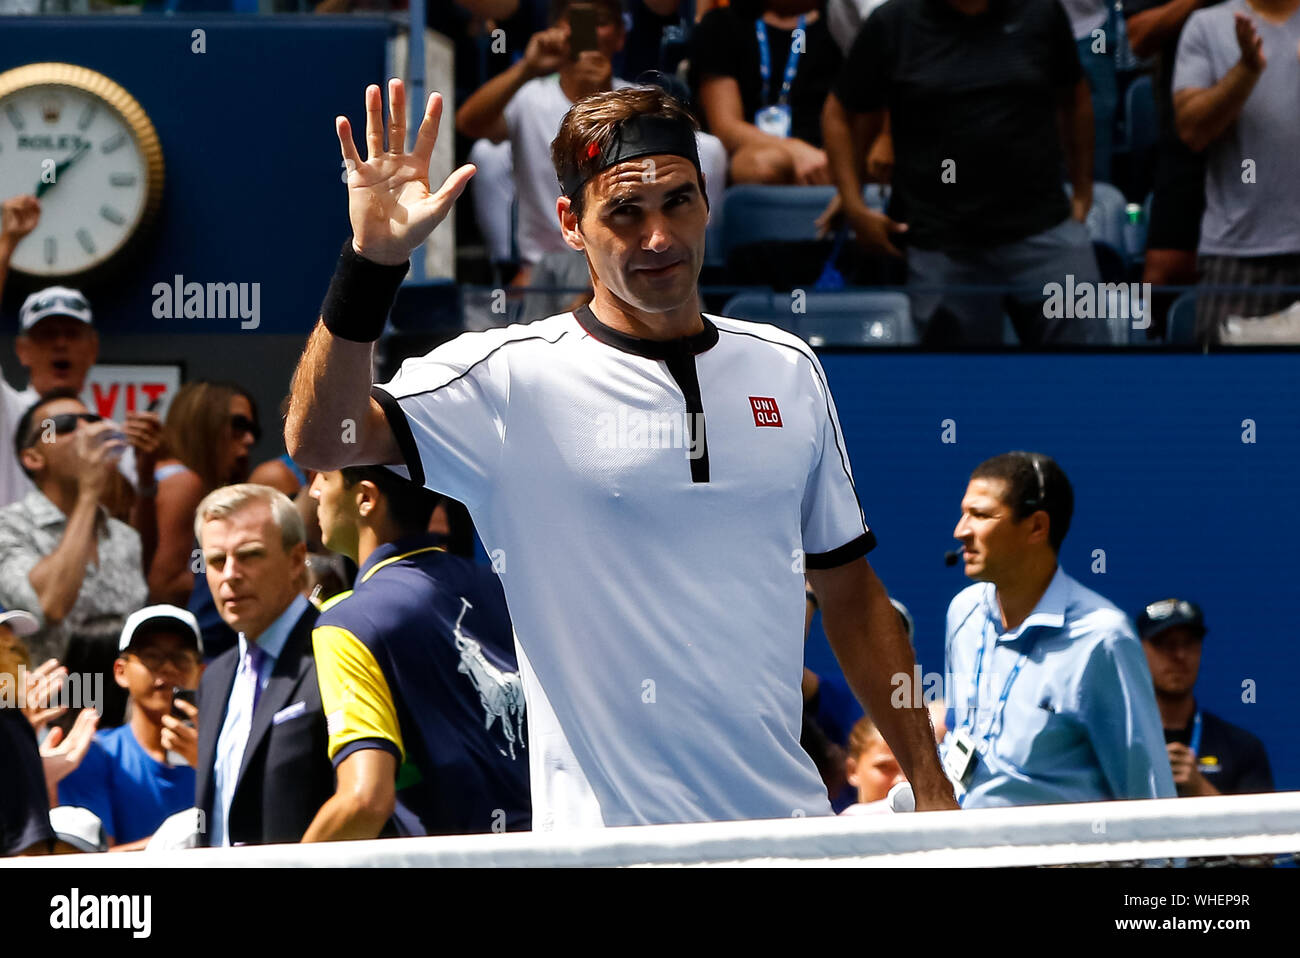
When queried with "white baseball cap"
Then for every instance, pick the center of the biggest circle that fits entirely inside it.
(53, 301)
(160, 613)
(22, 623)
(79, 827)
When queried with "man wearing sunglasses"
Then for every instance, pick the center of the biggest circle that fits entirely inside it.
(1207, 755)
(62, 556)
(57, 345)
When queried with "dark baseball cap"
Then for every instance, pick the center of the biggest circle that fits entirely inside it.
(1167, 613)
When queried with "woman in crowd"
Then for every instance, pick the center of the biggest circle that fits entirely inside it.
(210, 430)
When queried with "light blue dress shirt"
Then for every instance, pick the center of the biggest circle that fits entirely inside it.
(1080, 722)
(227, 762)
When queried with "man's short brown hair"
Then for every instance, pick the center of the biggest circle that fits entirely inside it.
(593, 121)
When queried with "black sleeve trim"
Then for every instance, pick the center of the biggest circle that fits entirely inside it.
(361, 744)
(401, 429)
(846, 553)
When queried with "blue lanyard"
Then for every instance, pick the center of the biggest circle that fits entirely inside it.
(765, 59)
(1195, 744)
(1001, 705)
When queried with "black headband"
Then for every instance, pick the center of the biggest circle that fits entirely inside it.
(636, 136)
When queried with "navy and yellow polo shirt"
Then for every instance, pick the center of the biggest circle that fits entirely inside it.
(418, 660)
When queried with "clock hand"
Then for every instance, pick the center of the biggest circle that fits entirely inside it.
(43, 187)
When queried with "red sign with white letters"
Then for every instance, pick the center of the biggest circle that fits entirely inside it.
(766, 412)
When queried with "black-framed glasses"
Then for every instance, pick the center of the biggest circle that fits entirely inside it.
(242, 425)
(153, 659)
(63, 423)
(66, 422)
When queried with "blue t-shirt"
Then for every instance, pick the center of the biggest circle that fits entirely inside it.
(130, 791)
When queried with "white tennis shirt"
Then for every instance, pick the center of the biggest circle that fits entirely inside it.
(651, 508)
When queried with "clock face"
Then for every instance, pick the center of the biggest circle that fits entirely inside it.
(82, 157)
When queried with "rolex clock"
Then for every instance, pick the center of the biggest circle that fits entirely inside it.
(84, 146)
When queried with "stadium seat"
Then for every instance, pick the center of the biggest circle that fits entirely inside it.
(853, 317)
(763, 306)
(754, 214)
(1180, 329)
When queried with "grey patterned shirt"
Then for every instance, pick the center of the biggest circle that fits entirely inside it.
(30, 530)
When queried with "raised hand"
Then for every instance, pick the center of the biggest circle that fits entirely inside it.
(547, 50)
(98, 446)
(1250, 43)
(390, 204)
(18, 217)
(43, 685)
(61, 754)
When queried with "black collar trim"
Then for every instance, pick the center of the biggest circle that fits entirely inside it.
(663, 349)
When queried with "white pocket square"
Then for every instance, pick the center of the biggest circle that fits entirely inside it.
(293, 711)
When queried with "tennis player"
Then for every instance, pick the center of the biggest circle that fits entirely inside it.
(651, 481)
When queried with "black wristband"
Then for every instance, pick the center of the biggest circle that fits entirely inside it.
(360, 296)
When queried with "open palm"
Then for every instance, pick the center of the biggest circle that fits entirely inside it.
(389, 202)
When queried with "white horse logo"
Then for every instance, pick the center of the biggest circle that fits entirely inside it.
(500, 693)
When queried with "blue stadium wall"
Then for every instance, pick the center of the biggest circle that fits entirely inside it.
(1164, 485)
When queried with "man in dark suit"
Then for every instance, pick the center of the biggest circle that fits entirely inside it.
(264, 768)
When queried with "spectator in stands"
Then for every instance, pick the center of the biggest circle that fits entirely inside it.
(61, 555)
(1074, 719)
(135, 776)
(647, 20)
(986, 104)
(281, 474)
(417, 669)
(872, 768)
(1088, 19)
(1207, 755)
(517, 114)
(1235, 91)
(761, 72)
(211, 428)
(263, 769)
(57, 344)
(845, 19)
(1178, 186)
(18, 217)
(30, 773)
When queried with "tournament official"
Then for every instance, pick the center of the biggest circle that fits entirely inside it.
(656, 590)
(1207, 755)
(417, 673)
(1049, 691)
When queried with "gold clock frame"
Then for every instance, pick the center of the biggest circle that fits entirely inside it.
(115, 96)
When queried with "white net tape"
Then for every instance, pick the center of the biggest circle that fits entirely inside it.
(1169, 830)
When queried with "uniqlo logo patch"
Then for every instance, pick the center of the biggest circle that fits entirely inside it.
(765, 411)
